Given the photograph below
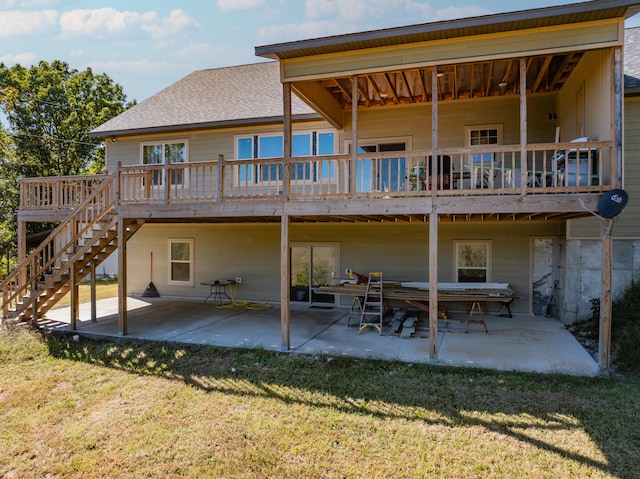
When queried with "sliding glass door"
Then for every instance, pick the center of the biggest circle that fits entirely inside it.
(313, 265)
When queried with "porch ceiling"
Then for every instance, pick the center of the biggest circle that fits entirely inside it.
(390, 218)
(499, 77)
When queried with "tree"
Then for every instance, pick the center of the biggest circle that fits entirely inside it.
(49, 110)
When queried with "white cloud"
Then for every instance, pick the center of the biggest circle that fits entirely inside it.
(177, 21)
(22, 22)
(101, 20)
(23, 59)
(228, 5)
(109, 21)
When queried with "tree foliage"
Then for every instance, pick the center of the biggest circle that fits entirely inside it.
(48, 111)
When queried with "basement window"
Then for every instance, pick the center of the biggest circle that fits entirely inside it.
(181, 262)
(472, 261)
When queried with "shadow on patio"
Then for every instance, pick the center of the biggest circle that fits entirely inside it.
(532, 344)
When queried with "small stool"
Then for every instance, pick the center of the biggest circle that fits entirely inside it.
(475, 305)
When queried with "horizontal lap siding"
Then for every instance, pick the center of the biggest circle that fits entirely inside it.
(627, 225)
(400, 251)
(500, 45)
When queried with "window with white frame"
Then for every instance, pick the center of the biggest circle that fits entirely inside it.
(472, 261)
(483, 135)
(312, 143)
(159, 153)
(382, 174)
(181, 270)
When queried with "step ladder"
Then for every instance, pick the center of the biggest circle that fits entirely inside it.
(372, 308)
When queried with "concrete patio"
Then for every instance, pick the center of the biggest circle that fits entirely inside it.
(522, 343)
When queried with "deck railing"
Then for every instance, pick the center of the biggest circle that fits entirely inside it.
(57, 191)
(480, 170)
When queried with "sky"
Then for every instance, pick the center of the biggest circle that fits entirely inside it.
(146, 45)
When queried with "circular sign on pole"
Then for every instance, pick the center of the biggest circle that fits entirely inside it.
(612, 203)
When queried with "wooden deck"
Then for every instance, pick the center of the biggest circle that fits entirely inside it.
(464, 184)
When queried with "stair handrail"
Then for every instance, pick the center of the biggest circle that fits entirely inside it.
(106, 187)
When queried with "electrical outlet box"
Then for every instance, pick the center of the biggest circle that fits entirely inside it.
(348, 271)
(239, 280)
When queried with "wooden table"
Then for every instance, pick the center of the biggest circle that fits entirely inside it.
(419, 298)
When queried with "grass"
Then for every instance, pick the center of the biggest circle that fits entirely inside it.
(111, 409)
(105, 288)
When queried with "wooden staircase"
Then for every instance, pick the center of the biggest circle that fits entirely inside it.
(82, 241)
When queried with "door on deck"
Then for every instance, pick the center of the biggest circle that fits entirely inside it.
(545, 273)
(313, 265)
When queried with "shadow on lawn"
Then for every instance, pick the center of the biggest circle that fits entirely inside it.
(606, 409)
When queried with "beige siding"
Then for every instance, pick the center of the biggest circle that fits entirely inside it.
(594, 74)
(627, 224)
(502, 45)
(401, 251)
(203, 146)
(415, 121)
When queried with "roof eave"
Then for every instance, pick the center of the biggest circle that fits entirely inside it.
(352, 40)
(203, 126)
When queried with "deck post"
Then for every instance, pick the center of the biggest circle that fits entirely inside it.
(285, 281)
(22, 249)
(353, 164)
(286, 142)
(220, 178)
(606, 302)
(433, 174)
(604, 339)
(617, 113)
(73, 280)
(94, 315)
(524, 176)
(285, 269)
(433, 286)
(122, 276)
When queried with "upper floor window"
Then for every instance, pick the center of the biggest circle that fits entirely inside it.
(159, 153)
(382, 174)
(313, 143)
(483, 135)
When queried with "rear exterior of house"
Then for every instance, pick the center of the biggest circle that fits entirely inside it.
(255, 176)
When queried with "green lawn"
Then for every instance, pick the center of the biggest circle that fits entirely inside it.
(105, 288)
(111, 409)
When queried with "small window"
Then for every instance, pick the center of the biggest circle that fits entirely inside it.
(181, 262)
(473, 261)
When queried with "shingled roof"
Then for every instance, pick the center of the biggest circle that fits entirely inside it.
(632, 61)
(215, 98)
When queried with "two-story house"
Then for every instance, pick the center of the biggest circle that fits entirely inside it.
(470, 150)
